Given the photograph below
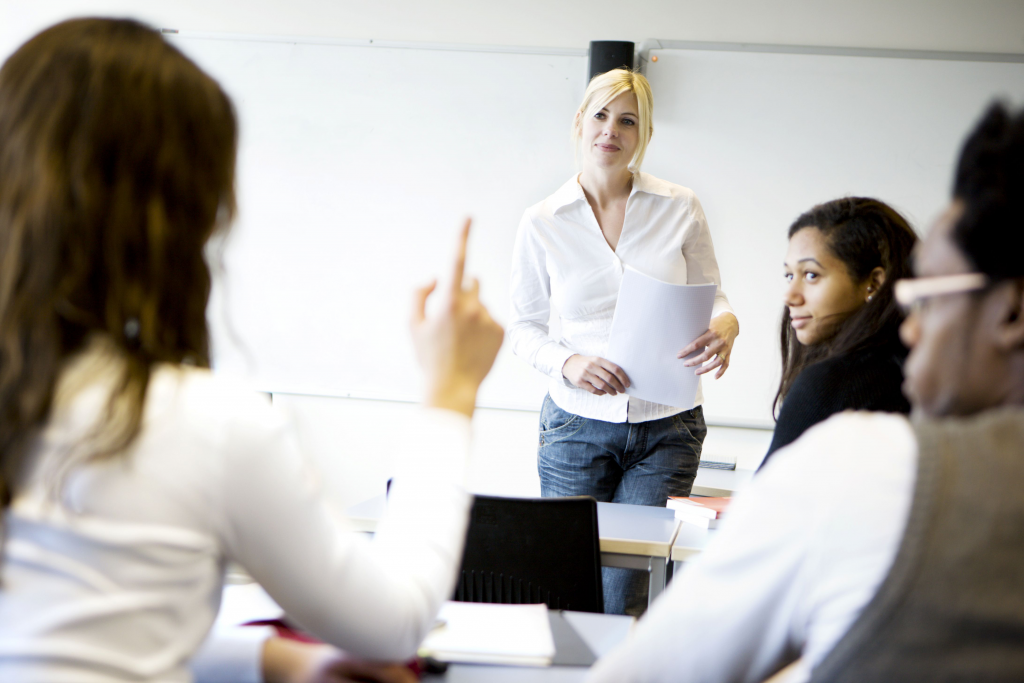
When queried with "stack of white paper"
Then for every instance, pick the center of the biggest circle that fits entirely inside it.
(653, 321)
(478, 633)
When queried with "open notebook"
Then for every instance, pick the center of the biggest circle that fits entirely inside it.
(478, 633)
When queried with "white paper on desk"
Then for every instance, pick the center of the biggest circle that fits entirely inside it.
(243, 603)
(653, 321)
(478, 633)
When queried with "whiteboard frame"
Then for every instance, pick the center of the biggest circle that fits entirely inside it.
(393, 44)
(644, 51)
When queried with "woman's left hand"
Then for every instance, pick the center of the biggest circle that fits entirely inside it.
(717, 343)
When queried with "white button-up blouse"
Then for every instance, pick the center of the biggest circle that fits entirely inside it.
(121, 580)
(561, 258)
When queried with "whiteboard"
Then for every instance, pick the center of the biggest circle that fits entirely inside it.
(357, 164)
(761, 137)
(358, 161)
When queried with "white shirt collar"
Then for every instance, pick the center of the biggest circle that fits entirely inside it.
(572, 191)
(645, 182)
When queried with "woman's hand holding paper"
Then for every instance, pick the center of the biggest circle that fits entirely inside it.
(717, 344)
(597, 375)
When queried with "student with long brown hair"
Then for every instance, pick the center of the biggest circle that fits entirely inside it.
(129, 474)
(840, 325)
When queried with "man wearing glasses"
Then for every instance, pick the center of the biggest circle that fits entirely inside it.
(878, 547)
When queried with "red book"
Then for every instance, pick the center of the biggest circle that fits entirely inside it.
(698, 506)
(712, 508)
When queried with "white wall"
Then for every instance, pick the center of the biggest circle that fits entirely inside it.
(348, 438)
(351, 442)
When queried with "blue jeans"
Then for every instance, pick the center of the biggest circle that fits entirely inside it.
(641, 463)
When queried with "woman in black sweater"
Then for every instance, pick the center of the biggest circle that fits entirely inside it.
(839, 332)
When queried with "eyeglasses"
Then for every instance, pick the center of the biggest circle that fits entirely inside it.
(911, 293)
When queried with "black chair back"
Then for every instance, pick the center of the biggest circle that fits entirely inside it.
(530, 550)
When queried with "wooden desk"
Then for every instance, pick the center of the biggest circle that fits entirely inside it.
(632, 536)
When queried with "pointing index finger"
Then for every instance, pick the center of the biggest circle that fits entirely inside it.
(460, 257)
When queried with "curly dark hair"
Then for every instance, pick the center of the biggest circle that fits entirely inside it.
(990, 183)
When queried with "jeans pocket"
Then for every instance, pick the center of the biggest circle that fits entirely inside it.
(556, 424)
(690, 425)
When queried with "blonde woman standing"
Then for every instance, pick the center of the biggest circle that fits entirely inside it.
(570, 251)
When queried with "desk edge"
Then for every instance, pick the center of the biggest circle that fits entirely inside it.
(625, 546)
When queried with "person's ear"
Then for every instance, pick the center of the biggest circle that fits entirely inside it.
(874, 280)
(1010, 331)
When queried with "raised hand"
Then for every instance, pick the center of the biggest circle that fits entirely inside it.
(456, 348)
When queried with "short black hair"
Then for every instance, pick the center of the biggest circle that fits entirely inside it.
(990, 183)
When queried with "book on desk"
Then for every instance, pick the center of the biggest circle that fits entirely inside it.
(484, 633)
(701, 511)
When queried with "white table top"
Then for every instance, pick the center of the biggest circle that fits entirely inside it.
(625, 529)
(720, 483)
(636, 529)
(364, 516)
(690, 542)
(601, 633)
(478, 673)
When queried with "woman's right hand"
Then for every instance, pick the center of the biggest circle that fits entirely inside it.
(456, 348)
(597, 375)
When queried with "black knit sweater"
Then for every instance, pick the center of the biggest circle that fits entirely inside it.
(868, 379)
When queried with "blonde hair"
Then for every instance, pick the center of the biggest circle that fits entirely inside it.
(606, 87)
